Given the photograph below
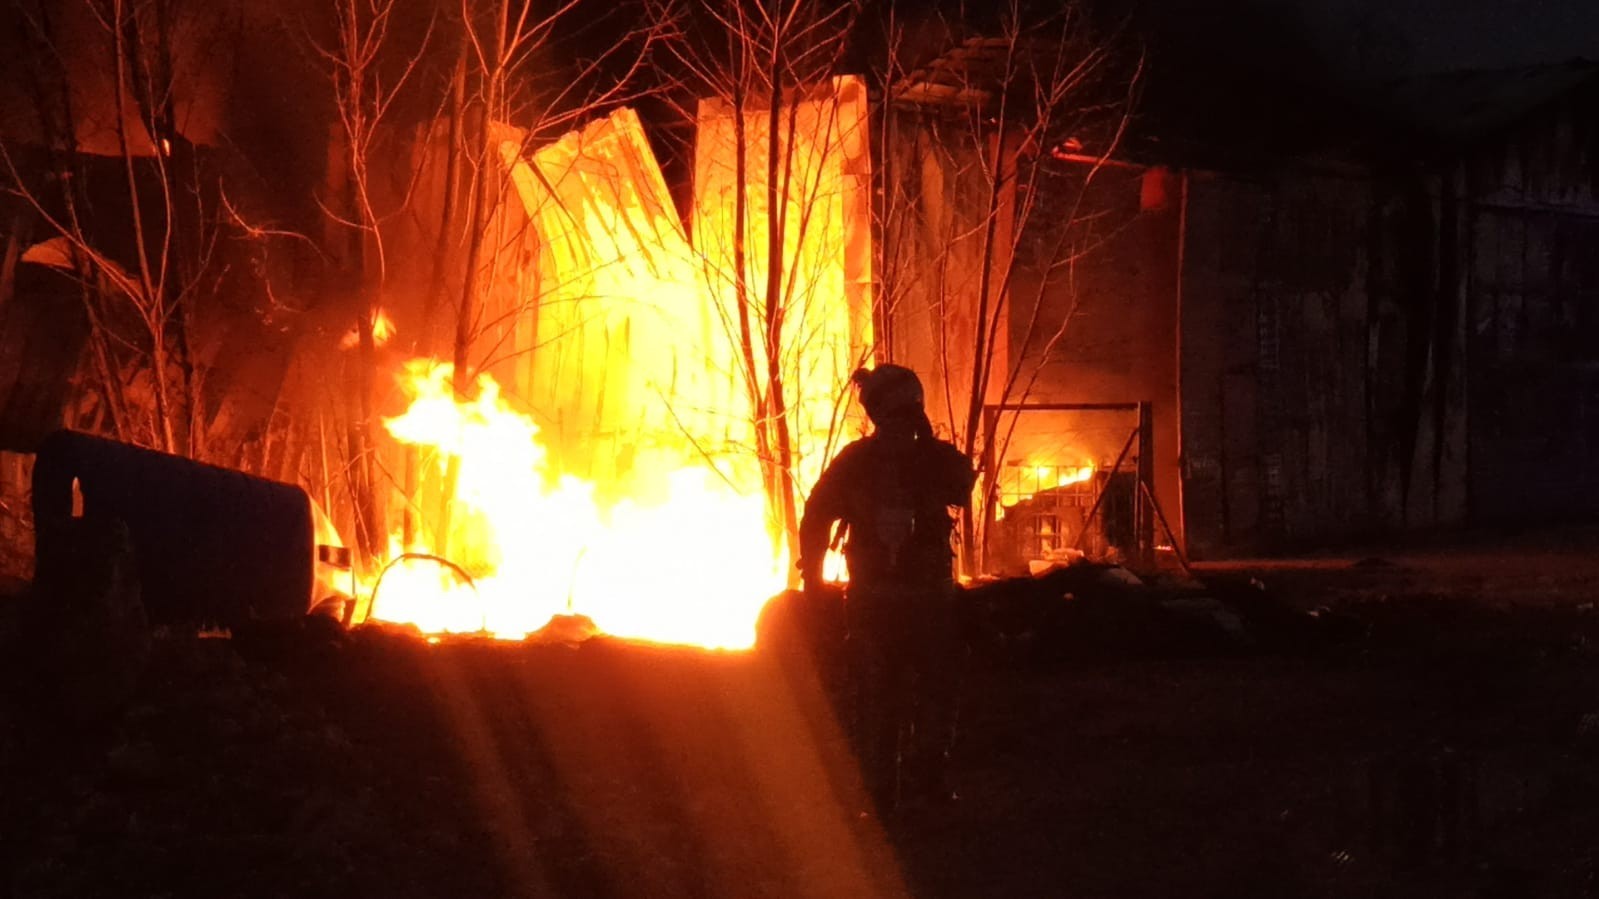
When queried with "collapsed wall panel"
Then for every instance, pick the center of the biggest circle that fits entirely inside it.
(627, 338)
(615, 346)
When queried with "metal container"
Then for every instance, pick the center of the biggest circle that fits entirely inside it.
(213, 546)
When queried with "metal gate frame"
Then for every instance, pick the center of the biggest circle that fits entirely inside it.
(1143, 433)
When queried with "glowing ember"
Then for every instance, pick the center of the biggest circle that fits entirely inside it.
(691, 564)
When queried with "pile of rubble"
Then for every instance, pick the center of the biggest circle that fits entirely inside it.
(1093, 611)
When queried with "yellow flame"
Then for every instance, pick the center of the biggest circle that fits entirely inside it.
(382, 330)
(644, 505)
(1069, 476)
(692, 564)
(1022, 483)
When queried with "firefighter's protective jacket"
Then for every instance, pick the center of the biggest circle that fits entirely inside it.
(893, 492)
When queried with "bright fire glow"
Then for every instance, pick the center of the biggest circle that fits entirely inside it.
(641, 504)
(1069, 476)
(382, 330)
(693, 565)
(1023, 482)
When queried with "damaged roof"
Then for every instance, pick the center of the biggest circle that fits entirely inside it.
(1196, 101)
(1229, 94)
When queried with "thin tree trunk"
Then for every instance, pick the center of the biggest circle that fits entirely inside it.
(370, 538)
(149, 301)
(424, 343)
(741, 288)
(781, 462)
(466, 314)
(981, 356)
(452, 166)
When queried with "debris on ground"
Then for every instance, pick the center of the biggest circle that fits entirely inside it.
(1316, 731)
(1093, 611)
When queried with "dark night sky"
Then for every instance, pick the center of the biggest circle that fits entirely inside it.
(1381, 39)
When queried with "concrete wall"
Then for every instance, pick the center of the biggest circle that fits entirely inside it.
(1531, 219)
(1323, 394)
(1095, 320)
(1362, 352)
(1268, 330)
(933, 254)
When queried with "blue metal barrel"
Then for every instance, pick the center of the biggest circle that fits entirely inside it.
(214, 546)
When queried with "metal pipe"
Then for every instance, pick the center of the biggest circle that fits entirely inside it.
(1182, 464)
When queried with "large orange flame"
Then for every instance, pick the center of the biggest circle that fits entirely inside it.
(687, 561)
(652, 360)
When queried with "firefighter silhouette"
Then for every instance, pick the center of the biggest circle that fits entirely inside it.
(893, 492)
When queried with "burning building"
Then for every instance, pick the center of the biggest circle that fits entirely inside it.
(609, 438)
(544, 338)
(521, 377)
(528, 373)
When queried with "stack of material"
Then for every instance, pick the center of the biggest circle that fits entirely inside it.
(1094, 611)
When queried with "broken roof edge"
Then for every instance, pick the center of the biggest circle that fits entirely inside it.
(1425, 121)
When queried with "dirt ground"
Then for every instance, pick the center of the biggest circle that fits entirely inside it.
(1448, 749)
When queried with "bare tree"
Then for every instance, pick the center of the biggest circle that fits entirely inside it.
(370, 68)
(513, 92)
(973, 114)
(511, 87)
(489, 78)
(776, 134)
(132, 206)
(991, 139)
